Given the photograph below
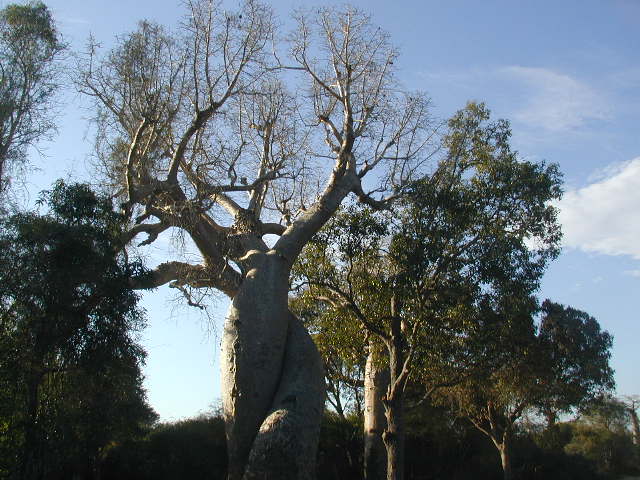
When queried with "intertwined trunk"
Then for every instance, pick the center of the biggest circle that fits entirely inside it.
(272, 379)
(376, 382)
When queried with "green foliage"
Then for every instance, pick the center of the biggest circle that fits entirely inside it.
(196, 449)
(30, 23)
(69, 360)
(565, 365)
(447, 276)
(452, 252)
(577, 353)
(29, 48)
(348, 242)
(193, 448)
(438, 446)
(612, 452)
(340, 449)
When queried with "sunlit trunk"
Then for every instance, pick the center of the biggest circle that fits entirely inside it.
(376, 382)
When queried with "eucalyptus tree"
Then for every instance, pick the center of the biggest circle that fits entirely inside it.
(561, 366)
(421, 279)
(30, 46)
(201, 131)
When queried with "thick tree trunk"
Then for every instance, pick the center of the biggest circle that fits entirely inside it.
(394, 438)
(287, 442)
(376, 382)
(272, 379)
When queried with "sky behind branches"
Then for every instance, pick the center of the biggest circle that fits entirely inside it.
(566, 74)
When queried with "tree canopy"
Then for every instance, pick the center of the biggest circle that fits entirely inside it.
(29, 48)
(560, 366)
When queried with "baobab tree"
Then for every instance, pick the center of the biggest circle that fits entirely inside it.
(215, 132)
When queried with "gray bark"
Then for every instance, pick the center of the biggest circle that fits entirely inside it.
(272, 379)
(503, 444)
(394, 437)
(292, 427)
(376, 382)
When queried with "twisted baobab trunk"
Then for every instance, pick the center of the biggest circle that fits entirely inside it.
(272, 379)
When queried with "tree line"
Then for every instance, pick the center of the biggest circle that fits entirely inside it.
(373, 256)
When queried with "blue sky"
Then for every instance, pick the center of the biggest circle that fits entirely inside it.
(567, 75)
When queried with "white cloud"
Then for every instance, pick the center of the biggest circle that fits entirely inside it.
(604, 217)
(555, 101)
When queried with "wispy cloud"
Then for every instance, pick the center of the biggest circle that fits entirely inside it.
(542, 101)
(604, 217)
(555, 101)
(73, 20)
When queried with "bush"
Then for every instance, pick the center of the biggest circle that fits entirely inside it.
(193, 449)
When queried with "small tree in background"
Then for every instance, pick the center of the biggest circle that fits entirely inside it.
(564, 365)
(601, 435)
